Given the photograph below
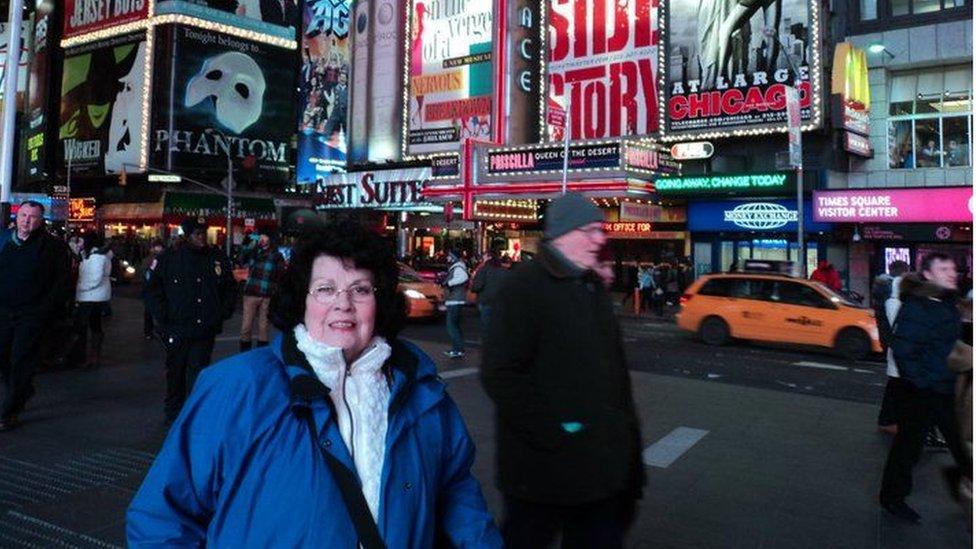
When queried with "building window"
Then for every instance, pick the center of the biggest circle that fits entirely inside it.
(903, 12)
(930, 123)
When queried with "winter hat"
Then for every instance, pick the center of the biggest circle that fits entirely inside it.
(570, 212)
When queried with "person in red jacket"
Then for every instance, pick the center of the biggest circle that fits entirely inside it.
(827, 275)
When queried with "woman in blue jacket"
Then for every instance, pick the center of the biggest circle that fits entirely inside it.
(337, 435)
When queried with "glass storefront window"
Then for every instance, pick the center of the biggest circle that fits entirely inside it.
(869, 10)
(900, 154)
(925, 6)
(928, 110)
(900, 7)
(955, 131)
(927, 143)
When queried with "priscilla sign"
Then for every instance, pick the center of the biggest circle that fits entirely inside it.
(930, 205)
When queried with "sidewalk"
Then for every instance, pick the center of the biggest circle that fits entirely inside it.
(774, 470)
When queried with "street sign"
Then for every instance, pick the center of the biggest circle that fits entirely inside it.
(696, 150)
(164, 178)
(793, 122)
(556, 119)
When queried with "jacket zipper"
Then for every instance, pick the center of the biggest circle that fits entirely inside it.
(352, 426)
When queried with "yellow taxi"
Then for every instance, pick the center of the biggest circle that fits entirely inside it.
(776, 308)
(422, 298)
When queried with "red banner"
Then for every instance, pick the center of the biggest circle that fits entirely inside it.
(85, 16)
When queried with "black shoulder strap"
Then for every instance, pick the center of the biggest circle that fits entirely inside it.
(352, 493)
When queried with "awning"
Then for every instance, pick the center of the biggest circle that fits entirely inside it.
(134, 212)
(213, 208)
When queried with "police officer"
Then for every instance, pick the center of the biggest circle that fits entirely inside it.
(190, 292)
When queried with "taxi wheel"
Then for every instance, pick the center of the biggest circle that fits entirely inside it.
(714, 331)
(852, 343)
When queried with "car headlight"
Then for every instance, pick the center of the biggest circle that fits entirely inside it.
(414, 294)
(125, 263)
(130, 270)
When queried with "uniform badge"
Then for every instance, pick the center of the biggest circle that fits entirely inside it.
(217, 267)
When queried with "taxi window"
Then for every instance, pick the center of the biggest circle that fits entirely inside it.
(792, 293)
(750, 288)
(717, 287)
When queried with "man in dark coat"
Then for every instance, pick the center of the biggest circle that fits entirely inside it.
(190, 292)
(568, 436)
(924, 335)
(35, 283)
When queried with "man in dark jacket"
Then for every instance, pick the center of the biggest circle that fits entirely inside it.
(568, 436)
(487, 286)
(35, 274)
(190, 292)
(924, 335)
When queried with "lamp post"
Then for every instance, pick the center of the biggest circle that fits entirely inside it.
(15, 20)
(229, 188)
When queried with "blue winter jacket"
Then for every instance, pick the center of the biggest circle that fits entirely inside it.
(239, 467)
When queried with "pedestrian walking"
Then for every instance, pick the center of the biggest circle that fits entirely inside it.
(35, 274)
(190, 292)
(93, 290)
(339, 434)
(924, 333)
(961, 362)
(568, 439)
(156, 248)
(265, 267)
(456, 282)
(885, 316)
(826, 274)
(486, 284)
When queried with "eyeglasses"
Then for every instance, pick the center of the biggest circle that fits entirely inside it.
(358, 293)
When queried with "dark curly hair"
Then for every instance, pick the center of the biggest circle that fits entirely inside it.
(347, 240)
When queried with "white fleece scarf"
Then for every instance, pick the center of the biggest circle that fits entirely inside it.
(362, 423)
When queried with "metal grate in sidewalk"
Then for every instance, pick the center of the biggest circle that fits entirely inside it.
(20, 531)
(23, 482)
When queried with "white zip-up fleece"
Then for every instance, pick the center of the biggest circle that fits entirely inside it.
(361, 398)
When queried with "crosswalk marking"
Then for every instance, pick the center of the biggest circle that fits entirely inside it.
(458, 373)
(667, 450)
(820, 365)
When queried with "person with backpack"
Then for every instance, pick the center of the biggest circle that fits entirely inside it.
(455, 299)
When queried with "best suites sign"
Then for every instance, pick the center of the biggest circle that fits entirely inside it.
(933, 205)
(603, 55)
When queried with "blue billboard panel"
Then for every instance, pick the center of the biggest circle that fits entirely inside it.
(771, 216)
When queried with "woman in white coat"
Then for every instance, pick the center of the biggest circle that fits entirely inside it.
(93, 291)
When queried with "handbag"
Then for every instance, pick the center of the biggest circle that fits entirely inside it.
(352, 493)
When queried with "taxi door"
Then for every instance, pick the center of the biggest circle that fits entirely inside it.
(752, 313)
(802, 314)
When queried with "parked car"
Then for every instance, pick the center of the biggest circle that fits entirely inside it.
(423, 298)
(776, 308)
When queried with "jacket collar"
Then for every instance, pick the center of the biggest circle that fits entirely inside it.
(556, 264)
(408, 371)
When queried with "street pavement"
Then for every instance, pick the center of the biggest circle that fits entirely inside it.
(747, 446)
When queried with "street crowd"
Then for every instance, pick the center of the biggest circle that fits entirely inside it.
(339, 433)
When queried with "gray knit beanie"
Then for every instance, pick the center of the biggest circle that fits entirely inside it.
(569, 212)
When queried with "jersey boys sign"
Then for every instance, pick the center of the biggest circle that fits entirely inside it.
(728, 65)
(603, 56)
(450, 87)
(84, 16)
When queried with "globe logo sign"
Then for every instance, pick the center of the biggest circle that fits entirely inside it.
(760, 216)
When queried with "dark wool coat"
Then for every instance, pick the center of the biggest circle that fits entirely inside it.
(554, 366)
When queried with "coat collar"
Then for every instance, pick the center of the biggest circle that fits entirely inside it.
(556, 264)
(408, 371)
